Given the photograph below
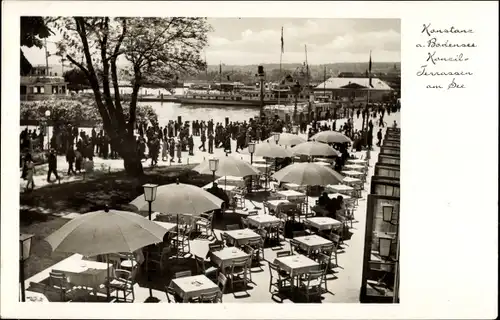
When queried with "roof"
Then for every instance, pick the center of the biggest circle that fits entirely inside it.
(40, 80)
(361, 83)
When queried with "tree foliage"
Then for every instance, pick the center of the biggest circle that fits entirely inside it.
(32, 31)
(153, 50)
(76, 80)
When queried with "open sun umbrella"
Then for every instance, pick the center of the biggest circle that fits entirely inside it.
(228, 166)
(270, 150)
(314, 149)
(287, 139)
(330, 136)
(180, 198)
(106, 231)
(308, 174)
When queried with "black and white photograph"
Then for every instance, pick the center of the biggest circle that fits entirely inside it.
(204, 160)
(209, 160)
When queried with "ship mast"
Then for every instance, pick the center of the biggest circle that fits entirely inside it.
(307, 67)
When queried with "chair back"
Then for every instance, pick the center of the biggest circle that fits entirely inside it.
(170, 293)
(200, 264)
(244, 222)
(240, 263)
(216, 246)
(324, 261)
(225, 239)
(230, 227)
(59, 282)
(327, 249)
(282, 254)
(314, 275)
(182, 274)
(294, 246)
(221, 282)
(274, 270)
(210, 297)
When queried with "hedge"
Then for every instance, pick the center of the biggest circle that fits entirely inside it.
(77, 111)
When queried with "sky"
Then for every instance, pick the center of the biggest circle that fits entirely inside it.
(243, 41)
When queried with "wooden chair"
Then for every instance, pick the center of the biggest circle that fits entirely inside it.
(59, 282)
(258, 246)
(123, 281)
(216, 246)
(201, 267)
(212, 296)
(311, 284)
(181, 243)
(172, 296)
(158, 259)
(335, 238)
(278, 278)
(206, 224)
(298, 234)
(244, 223)
(221, 282)
(239, 271)
(295, 247)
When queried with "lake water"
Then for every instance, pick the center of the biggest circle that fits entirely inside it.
(170, 111)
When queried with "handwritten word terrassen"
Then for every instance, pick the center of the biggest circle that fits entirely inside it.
(437, 57)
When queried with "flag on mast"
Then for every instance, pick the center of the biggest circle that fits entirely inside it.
(282, 43)
(370, 69)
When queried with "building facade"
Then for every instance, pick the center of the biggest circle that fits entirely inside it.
(42, 83)
(355, 89)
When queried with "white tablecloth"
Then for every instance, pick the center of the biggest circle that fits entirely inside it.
(273, 204)
(90, 274)
(223, 258)
(192, 287)
(297, 264)
(242, 236)
(312, 242)
(263, 220)
(291, 195)
(323, 223)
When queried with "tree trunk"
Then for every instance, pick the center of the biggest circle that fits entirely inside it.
(131, 160)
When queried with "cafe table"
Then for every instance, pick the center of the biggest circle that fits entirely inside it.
(350, 180)
(312, 242)
(224, 258)
(296, 265)
(340, 188)
(293, 186)
(336, 194)
(85, 273)
(353, 173)
(273, 204)
(354, 167)
(231, 181)
(323, 223)
(356, 161)
(263, 220)
(32, 296)
(242, 236)
(291, 195)
(192, 287)
(329, 160)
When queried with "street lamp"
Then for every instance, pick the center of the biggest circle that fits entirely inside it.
(47, 115)
(276, 137)
(150, 195)
(214, 166)
(251, 149)
(296, 90)
(24, 254)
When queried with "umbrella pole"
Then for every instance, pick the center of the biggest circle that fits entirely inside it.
(107, 278)
(178, 230)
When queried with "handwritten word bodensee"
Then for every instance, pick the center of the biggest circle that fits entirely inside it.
(447, 52)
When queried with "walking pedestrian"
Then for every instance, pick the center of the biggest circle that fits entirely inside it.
(70, 158)
(29, 171)
(52, 165)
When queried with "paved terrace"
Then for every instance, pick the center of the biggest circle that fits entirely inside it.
(344, 285)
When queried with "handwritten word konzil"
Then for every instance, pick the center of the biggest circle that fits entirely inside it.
(442, 43)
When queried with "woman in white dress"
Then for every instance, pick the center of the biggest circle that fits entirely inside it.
(164, 150)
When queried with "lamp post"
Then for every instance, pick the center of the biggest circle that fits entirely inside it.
(214, 166)
(24, 254)
(251, 149)
(47, 116)
(276, 137)
(385, 246)
(150, 195)
(296, 90)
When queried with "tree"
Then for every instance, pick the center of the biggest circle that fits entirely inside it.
(33, 30)
(76, 79)
(154, 49)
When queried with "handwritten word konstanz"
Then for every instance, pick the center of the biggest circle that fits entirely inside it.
(433, 58)
(424, 72)
(452, 29)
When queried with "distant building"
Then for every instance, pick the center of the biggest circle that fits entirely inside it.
(354, 88)
(42, 83)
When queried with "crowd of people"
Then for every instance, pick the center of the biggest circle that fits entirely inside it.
(176, 137)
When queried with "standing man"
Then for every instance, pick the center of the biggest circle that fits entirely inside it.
(203, 139)
(52, 165)
(210, 143)
(70, 158)
(379, 137)
(191, 145)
